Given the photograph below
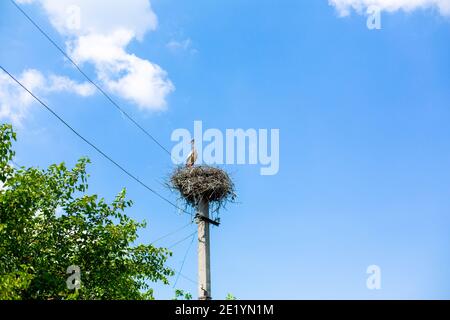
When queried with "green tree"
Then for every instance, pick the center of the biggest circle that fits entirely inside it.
(182, 295)
(48, 222)
(230, 297)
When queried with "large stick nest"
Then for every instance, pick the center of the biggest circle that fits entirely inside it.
(205, 182)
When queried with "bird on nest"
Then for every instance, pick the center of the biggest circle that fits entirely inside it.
(192, 157)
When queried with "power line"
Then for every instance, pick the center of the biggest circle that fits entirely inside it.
(180, 241)
(187, 278)
(184, 260)
(91, 144)
(108, 97)
(172, 233)
(15, 164)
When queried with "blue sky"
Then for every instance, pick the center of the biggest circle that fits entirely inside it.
(363, 118)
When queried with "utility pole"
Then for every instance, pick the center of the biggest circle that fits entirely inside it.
(202, 186)
(204, 271)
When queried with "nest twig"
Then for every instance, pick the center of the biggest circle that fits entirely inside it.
(195, 183)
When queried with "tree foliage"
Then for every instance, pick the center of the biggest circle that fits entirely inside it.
(230, 297)
(182, 295)
(48, 222)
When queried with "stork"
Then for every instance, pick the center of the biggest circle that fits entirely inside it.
(192, 157)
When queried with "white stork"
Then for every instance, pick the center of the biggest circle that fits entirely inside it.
(192, 157)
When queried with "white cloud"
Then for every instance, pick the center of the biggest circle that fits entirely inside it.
(344, 7)
(99, 32)
(135, 79)
(61, 84)
(82, 17)
(183, 45)
(15, 102)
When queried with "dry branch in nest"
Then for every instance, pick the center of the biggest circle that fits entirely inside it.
(212, 184)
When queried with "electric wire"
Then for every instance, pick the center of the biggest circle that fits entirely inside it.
(184, 260)
(171, 233)
(187, 278)
(106, 95)
(133, 177)
(182, 240)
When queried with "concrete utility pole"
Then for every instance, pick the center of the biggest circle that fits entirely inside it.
(200, 187)
(204, 271)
